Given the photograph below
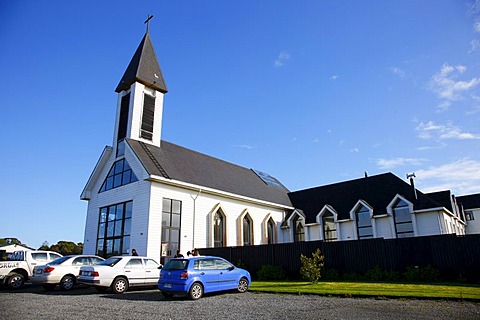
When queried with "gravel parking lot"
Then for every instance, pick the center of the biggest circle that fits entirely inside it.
(86, 303)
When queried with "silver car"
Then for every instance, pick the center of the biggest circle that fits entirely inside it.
(121, 272)
(62, 271)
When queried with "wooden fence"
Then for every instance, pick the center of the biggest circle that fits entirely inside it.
(454, 256)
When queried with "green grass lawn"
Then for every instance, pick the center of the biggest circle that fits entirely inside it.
(367, 289)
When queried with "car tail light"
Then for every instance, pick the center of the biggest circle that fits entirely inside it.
(48, 269)
(95, 274)
(184, 275)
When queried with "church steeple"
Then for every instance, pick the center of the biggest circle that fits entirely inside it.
(143, 68)
(140, 97)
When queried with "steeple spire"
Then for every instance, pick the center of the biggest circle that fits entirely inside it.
(144, 67)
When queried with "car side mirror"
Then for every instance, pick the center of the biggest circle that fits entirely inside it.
(231, 268)
(160, 267)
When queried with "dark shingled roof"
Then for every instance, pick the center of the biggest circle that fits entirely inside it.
(442, 197)
(471, 201)
(143, 68)
(378, 191)
(178, 163)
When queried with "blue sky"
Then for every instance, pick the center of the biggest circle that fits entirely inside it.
(312, 92)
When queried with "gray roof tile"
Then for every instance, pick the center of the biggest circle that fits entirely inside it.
(178, 163)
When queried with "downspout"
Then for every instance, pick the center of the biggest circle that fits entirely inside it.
(194, 198)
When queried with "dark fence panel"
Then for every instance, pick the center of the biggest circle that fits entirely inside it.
(454, 256)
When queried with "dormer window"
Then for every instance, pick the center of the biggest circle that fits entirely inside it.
(364, 223)
(403, 219)
(146, 130)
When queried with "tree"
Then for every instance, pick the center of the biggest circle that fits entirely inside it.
(64, 247)
(311, 267)
(7, 241)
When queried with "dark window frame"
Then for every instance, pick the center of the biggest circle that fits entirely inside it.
(112, 217)
(361, 228)
(117, 177)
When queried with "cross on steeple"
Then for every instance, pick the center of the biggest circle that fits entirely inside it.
(147, 22)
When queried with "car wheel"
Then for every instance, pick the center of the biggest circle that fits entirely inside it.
(242, 285)
(120, 285)
(167, 295)
(48, 287)
(67, 282)
(15, 281)
(196, 291)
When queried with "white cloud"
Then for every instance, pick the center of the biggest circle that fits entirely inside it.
(243, 146)
(461, 176)
(431, 130)
(446, 86)
(355, 150)
(334, 77)
(398, 162)
(474, 45)
(282, 58)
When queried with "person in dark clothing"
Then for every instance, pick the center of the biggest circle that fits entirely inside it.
(134, 252)
(178, 255)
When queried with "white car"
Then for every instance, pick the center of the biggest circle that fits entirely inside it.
(62, 271)
(121, 272)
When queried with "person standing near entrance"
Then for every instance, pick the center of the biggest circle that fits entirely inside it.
(134, 252)
(178, 255)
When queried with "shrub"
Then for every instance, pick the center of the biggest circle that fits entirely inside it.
(423, 274)
(375, 274)
(269, 272)
(330, 274)
(311, 267)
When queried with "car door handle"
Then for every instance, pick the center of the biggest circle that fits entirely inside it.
(202, 273)
(127, 270)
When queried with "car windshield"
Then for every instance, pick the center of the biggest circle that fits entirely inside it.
(109, 262)
(59, 260)
(175, 264)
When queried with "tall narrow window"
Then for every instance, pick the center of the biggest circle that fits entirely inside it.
(114, 226)
(271, 231)
(403, 220)
(218, 229)
(329, 227)
(148, 114)
(171, 218)
(364, 223)
(298, 230)
(247, 230)
(123, 121)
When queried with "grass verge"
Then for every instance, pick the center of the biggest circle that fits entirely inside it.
(367, 289)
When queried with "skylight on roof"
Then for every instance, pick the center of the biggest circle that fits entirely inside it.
(269, 180)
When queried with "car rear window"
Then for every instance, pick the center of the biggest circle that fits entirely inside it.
(176, 265)
(110, 262)
(59, 260)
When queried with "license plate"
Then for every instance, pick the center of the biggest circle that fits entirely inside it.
(167, 285)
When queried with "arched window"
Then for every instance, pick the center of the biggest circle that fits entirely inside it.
(364, 223)
(403, 220)
(247, 230)
(298, 230)
(270, 231)
(329, 227)
(218, 229)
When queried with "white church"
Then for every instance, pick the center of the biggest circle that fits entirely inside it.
(157, 197)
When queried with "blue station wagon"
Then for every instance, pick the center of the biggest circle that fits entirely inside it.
(197, 275)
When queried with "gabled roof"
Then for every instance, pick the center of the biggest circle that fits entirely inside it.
(378, 191)
(181, 164)
(471, 201)
(144, 68)
(442, 197)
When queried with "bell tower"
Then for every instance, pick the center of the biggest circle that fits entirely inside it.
(140, 97)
